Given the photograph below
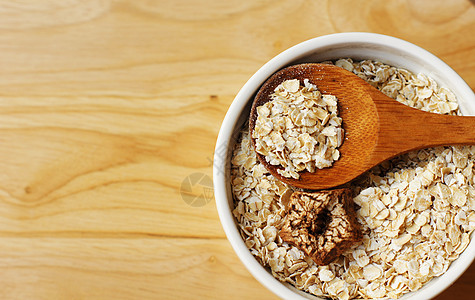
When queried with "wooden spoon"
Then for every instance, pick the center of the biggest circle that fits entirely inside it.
(377, 127)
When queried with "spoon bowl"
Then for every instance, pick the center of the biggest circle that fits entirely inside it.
(377, 127)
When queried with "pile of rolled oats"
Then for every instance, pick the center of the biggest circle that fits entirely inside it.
(416, 211)
(299, 129)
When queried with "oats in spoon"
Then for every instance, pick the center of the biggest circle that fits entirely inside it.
(299, 129)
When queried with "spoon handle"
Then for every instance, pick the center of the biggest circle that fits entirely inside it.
(409, 129)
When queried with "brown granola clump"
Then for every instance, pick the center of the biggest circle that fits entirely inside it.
(322, 224)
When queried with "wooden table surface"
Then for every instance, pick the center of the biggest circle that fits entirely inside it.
(109, 113)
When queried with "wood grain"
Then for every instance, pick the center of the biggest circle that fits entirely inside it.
(107, 106)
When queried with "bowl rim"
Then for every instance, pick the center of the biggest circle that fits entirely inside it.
(222, 152)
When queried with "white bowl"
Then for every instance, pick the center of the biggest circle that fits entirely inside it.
(358, 46)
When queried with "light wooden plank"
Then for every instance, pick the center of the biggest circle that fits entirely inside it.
(123, 268)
